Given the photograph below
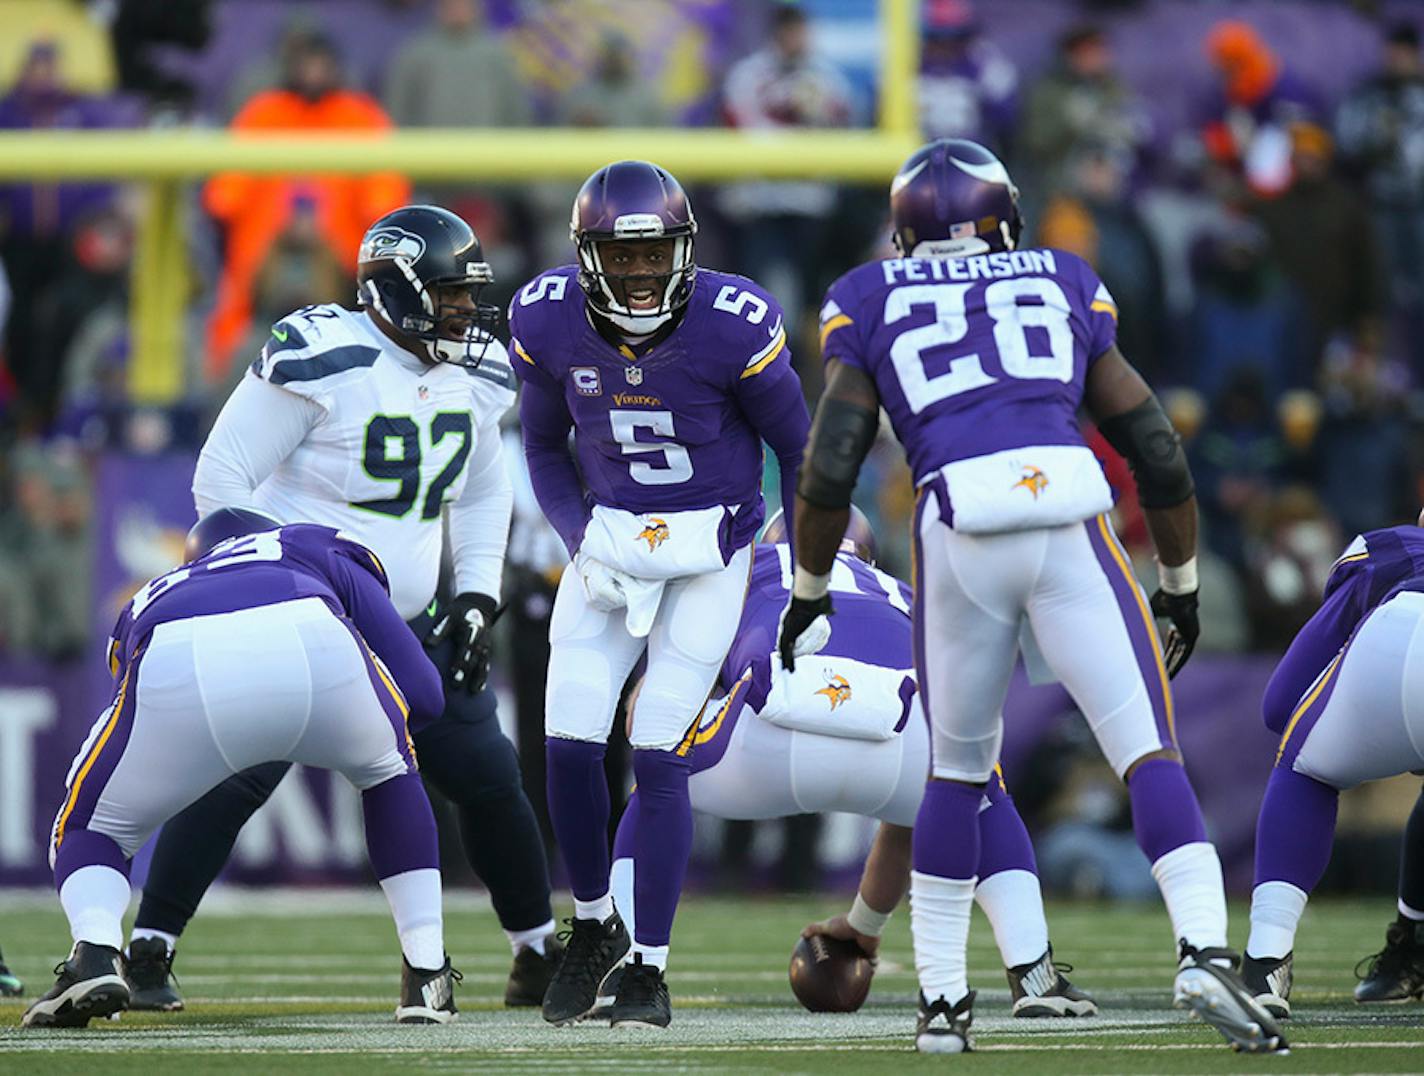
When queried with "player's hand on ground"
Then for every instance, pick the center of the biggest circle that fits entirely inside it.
(837, 927)
(602, 583)
(1181, 611)
(467, 620)
(805, 629)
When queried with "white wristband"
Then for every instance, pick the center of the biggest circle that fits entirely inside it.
(863, 919)
(1179, 580)
(809, 587)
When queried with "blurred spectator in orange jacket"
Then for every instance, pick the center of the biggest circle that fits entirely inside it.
(256, 209)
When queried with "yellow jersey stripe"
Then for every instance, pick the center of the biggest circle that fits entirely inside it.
(1305, 703)
(1103, 308)
(767, 359)
(94, 752)
(1147, 619)
(519, 350)
(710, 732)
(1353, 556)
(832, 325)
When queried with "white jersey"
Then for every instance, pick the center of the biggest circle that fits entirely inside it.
(335, 424)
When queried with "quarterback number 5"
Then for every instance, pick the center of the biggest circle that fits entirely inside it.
(676, 463)
(392, 454)
(1011, 322)
(742, 304)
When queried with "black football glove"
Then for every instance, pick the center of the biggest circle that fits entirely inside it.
(467, 620)
(1181, 610)
(797, 618)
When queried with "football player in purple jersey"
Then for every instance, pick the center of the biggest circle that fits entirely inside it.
(342, 683)
(1344, 701)
(670, 377)
(982, 353)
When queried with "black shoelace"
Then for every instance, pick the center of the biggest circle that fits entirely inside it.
(152, 970)
(639, 985)
(584, 943)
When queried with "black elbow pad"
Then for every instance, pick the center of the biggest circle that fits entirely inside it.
(841, 437)
(1153, 449)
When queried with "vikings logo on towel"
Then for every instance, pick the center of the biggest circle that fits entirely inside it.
(1033, 480)
(655, 532)
(837, 689)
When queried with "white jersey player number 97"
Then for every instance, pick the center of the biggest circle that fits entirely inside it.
(1011, 320)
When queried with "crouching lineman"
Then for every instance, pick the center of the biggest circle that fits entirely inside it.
(846, 732)
(982, 354)
(340, 679)
(1348, 700)
(381, 422)
(670, 377)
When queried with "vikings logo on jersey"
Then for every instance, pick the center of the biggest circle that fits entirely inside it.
(837, 690)
(655, 533)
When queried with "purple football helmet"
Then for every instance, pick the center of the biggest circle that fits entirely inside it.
(633, 201)
(220, 525)
(954, 198)
(859, 537)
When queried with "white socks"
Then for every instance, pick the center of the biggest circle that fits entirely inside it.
(1276, 908)
(1014, 904)
(534, 938)
(599, 909)
(621, 879)
(414, 897)
(655, 955)
(95, 899)
(1190, 880)
(939, 921)
(140, 933)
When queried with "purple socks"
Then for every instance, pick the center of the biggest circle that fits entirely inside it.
(578, 809)
(1165, 812)
(1003, 841)
(400, 827)
(946, 841)
(85, 848)
(1296, 829)
(662, 841)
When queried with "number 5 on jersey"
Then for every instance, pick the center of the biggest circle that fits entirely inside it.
(392, 453)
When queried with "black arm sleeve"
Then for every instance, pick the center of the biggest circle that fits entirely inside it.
(1153, 449)
(840, 438)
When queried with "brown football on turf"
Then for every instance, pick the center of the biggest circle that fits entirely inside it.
(830, 975)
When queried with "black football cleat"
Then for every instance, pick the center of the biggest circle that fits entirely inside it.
(642, 999)
(151, 977)
(89, 985)
(427, 997)
(942, 1028)
(1269, 981)
(1396, 972)
(10, 985)
(531, 974)
(603, 1003)
(1042, 989)
(594, 949)
(1208, 985)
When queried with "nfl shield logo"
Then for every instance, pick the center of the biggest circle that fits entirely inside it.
(634, 374)
(423, 392)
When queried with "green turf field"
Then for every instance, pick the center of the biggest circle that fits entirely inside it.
(280, 981)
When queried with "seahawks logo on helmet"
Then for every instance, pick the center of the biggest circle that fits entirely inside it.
(392, 243)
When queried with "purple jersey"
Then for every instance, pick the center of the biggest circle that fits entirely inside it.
(872, 621)
(299, 561)
(675, 425)
(973, 355)
(1375, 567)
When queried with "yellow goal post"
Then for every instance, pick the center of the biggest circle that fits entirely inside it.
(165, 159)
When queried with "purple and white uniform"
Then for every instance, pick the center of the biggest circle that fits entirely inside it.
(1344, 695)
(747, 766)
(980, 363)
(666, 430)
(282, 645)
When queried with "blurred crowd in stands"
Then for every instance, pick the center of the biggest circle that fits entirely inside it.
(1265, 243)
